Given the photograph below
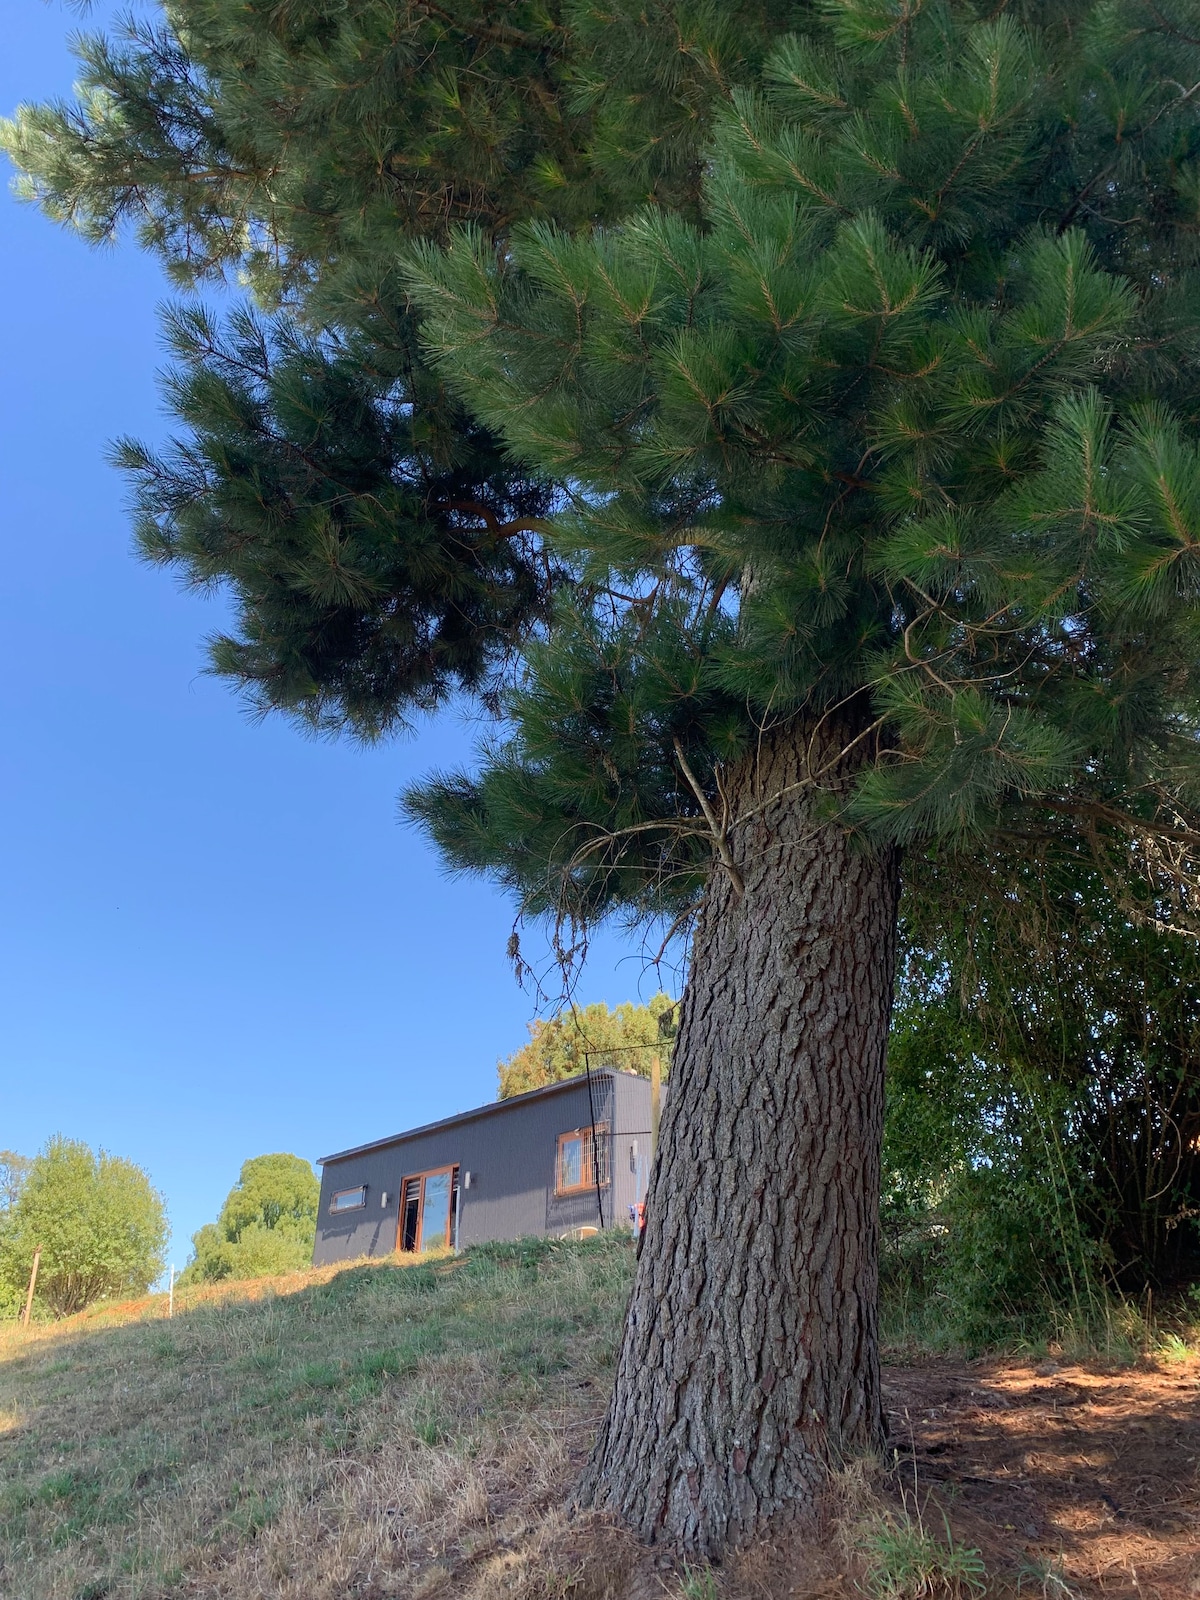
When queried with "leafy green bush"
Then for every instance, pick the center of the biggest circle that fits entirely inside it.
(101, 1226)
(1041, 1152)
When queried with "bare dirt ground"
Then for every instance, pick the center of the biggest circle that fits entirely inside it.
(1094, 1470)
(1070, 1480)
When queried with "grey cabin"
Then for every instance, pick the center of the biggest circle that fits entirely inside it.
(563, 1160)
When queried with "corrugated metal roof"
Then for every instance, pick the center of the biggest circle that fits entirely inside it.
(491, 1109)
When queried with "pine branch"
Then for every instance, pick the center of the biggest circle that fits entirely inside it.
(717, 831)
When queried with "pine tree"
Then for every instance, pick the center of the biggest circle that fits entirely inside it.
(841, 504)
(880, 486)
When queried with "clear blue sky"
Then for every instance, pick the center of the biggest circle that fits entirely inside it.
(215, 939)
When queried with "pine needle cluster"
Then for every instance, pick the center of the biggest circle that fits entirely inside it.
(381, 550)
(906, 421)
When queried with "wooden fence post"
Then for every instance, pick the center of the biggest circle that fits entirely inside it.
(37, 1257)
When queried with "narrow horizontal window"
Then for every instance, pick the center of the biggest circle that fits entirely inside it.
(349, 1199)
(582, 1163)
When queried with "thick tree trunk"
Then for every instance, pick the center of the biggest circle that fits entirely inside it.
(750, 1361)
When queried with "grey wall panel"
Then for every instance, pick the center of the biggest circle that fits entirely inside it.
(510, 1151)
(369, 1232)
(631, 1128)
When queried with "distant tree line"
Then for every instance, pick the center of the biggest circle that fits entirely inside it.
(100, 1227)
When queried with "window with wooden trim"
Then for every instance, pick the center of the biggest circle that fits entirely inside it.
(349, 1199)
(581, 1164)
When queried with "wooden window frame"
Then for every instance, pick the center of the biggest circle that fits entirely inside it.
(409, 1177)
(588, 1185)
(359, 1205)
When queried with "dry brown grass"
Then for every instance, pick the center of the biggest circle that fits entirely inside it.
(413, 1430)
(154, 1307)
(378, 1430)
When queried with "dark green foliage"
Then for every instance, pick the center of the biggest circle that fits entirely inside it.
(101, 1227)
(983, 1239)
(645, 78)
(302, 143)
(1043, 1133)
(378, 545)
(267, 1224)
(380, 549)
(596, 719)
(291, 142)
(892, 401)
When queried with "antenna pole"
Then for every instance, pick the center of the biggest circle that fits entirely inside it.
(655, 1101)
(587, 1067)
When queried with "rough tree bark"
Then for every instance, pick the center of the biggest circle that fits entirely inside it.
(749, 1364)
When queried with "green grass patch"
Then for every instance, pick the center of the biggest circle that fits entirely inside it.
(153, 1459)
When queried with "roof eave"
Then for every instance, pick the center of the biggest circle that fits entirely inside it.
(490, 1109)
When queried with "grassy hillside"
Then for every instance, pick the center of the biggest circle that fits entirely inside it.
(413, 1429)
(375, 1431)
